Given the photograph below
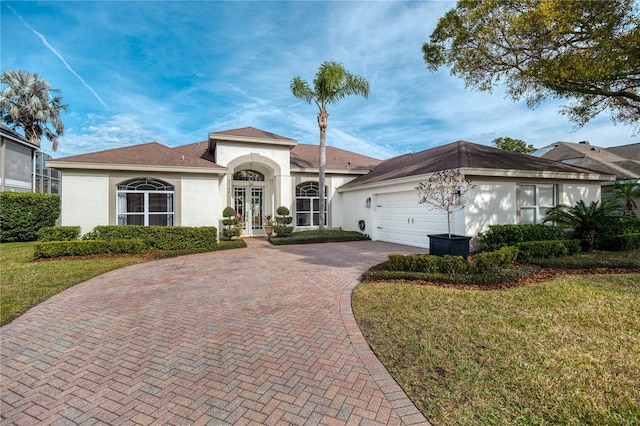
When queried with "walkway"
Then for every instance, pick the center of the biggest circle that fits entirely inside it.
(256, 336)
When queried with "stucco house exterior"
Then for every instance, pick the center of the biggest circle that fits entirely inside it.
(256, 171)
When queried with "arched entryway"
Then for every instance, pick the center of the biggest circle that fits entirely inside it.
(249, 189)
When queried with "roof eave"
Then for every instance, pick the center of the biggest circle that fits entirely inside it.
(331, 171)
(233, 138)
(70, 165)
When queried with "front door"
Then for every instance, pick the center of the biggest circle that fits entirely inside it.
(248, 202)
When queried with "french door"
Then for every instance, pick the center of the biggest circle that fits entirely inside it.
(248, 202)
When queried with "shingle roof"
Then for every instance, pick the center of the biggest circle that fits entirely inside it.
(307, 156)
(457, 155)
(251, 132)
(621, 161)
(149, 154)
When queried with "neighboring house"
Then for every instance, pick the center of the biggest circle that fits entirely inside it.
(22, 165)
(256, 171)
(621, 161)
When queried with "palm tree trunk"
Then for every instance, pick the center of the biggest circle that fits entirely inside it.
(323, 118)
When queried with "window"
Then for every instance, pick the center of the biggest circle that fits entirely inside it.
(248, 175)
(145, 202)
(534, 201)
(308, 204)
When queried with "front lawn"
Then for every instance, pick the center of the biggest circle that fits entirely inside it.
(565, 351)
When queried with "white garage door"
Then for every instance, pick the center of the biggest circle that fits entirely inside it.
(399, 218)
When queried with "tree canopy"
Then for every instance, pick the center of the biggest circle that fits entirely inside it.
(29, 102)
(331, 84)
(515, 145)
(585, 51)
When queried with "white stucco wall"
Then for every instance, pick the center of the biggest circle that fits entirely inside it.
(85, 200)
(489, 203)
(200, 201)
(571, 193)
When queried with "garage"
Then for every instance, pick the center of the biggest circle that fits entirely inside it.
(399, 218)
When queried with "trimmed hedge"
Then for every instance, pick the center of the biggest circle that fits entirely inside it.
(502, 276)
(627, 242)
(546, 249)
(49, 249)
(607, 237)
(316, 236)
(426, 263)
(23, 214)
(59, 233)
(494, 261)
(160, 237)
(509, 235)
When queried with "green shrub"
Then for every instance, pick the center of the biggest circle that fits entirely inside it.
(508, 235)
(317, 236)
(160, 237)
(607, 236)
(426, 263)
(594, 259)
(627, 242)
(23, 214)
(283, 220)
(503, 276)
(494, 261)
(50, 249)
(232, 224)
(545, 249)
(59, 233)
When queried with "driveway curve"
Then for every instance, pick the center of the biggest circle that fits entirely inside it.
(263, 335)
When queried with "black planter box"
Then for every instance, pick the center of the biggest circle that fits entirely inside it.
(455, 245)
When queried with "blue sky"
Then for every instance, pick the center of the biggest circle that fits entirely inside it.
(173, 71)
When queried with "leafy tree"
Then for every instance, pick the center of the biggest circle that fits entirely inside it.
(30, 103)
(585, 219)
(586, 51)
(626, 192)
(331, 84)
(515, 145)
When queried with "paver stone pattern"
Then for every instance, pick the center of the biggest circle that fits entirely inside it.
(257, 336)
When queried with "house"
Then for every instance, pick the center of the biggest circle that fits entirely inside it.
(622, 161)
(23, 166)
(256, 171)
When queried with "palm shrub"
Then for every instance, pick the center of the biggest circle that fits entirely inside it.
(584, 219)
(283, 221)
(626, 192)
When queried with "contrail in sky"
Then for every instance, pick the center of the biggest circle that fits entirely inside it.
(55, 52)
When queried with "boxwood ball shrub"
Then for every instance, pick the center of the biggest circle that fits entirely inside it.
(231, 229)
(283, 220)
(23, 214)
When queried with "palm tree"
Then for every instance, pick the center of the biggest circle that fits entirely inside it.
(29, 102)
(332, 83)
(584, 219)
(627, 191)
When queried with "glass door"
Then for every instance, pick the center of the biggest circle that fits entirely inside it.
(248, 203)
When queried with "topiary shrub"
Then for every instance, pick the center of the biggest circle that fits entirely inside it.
(283, 220)
(59, 233)
(508, 235)
(23, 214)
(232, 224)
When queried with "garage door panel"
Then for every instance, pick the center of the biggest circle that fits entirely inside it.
(401, 219)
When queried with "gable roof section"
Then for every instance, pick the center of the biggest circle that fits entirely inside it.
(621, 161)
(306, 156)
(460, 155)
(250, 132)
(150, 154)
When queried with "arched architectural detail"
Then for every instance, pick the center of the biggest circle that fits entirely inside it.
(308, 204)
(145, 201)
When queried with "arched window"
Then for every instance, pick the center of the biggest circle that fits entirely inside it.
(308, 204)
(145, 201)
(249, 175)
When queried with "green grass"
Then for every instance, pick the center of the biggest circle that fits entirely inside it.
(24, 283)
(565, 351)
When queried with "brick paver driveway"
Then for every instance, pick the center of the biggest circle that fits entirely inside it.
(262, 335)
